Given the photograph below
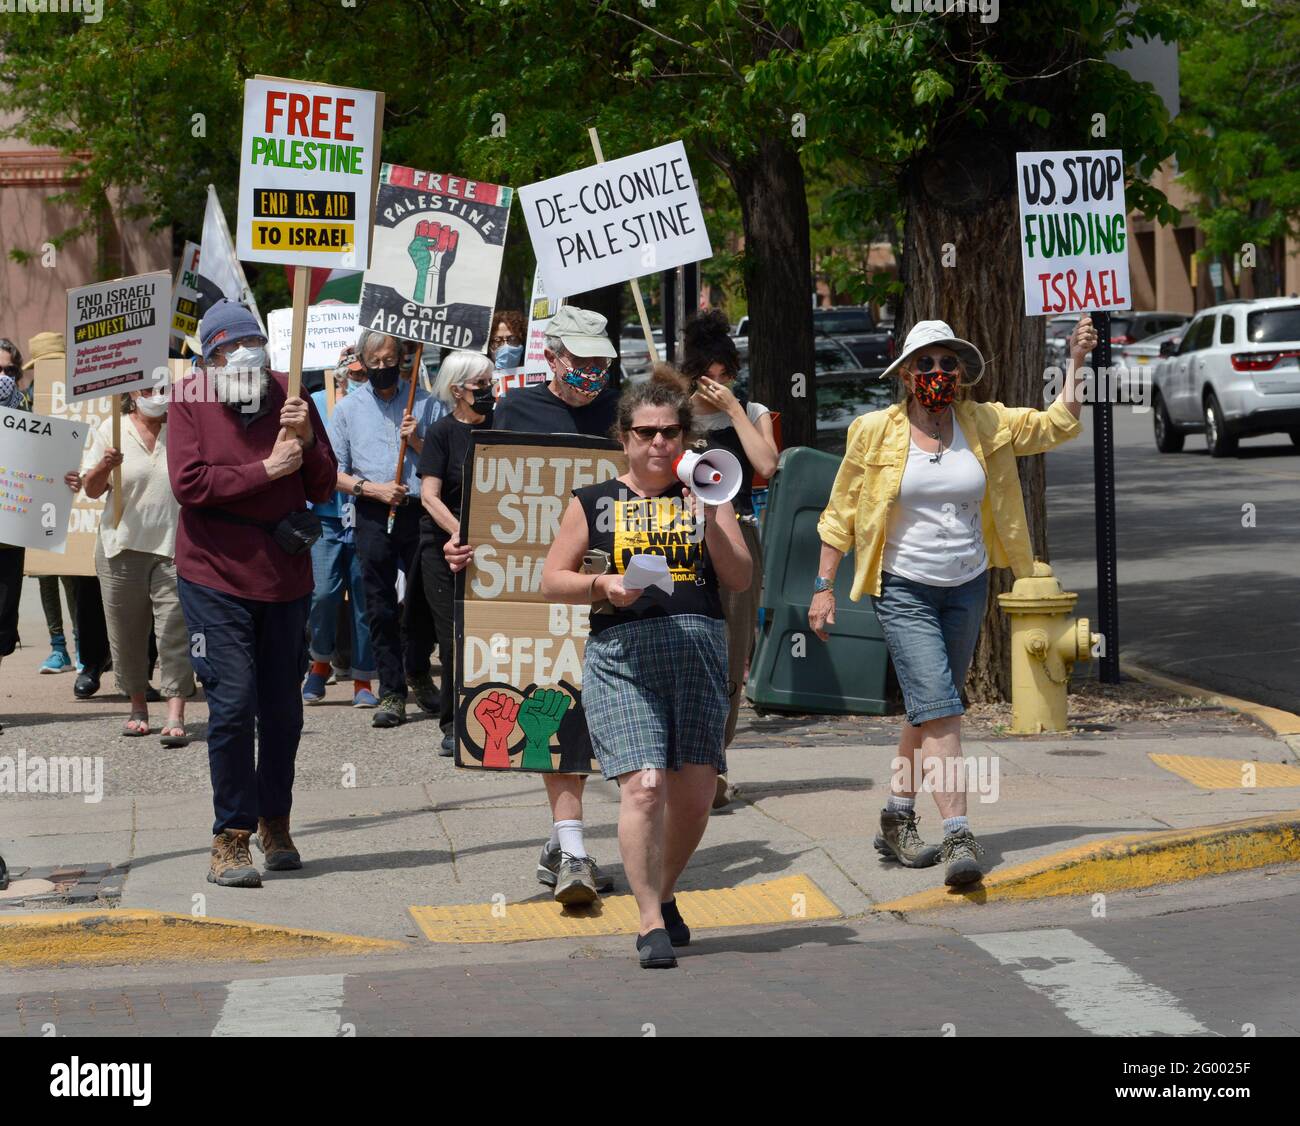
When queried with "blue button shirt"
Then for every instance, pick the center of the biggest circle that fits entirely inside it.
(365, 432)
(330, 507)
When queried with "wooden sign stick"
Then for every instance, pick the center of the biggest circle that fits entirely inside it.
(117, 469)
(401, 450)
(301, 292)
(636, 285)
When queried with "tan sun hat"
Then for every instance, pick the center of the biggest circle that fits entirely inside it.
(926, 334)
(44, 346)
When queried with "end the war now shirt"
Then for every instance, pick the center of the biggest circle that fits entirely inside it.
(624, 524)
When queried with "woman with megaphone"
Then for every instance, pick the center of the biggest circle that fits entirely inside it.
(654, 676)
(928, 498)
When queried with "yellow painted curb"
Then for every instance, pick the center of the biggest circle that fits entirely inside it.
(1275, 719)
(1229, 773)
(792, 899)
(1123, 863)
(126, 935)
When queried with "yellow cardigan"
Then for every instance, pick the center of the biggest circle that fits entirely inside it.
(866, 486)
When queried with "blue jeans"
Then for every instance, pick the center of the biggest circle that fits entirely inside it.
(931, 632)
(335, 567)
(250, 657)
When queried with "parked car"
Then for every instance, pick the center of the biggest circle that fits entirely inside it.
(1125, 329)
(844, 389)
(1235, 373)
(633, 355)
(1058, 335)
(1137, 360)
(854, 325)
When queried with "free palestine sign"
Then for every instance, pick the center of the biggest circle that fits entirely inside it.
(1073, 231)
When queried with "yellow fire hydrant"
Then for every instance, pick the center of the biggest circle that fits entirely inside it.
(1045, 643)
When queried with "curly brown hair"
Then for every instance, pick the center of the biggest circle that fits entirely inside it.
(665, 388)
(514, 322)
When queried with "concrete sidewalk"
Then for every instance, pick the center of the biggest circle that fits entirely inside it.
(414, 831)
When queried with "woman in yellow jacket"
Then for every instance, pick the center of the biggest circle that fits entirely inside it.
(928, 497)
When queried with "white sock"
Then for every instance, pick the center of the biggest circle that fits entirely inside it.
(570, 837)
(895, 804)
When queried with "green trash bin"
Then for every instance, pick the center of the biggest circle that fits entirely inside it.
(793, 670)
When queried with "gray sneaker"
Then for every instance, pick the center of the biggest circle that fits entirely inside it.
(898, 839)
(574, 885)
(390, 713)
(960, 852)
(548, 870)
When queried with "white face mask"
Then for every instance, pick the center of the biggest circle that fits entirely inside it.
(154, 406)
(246, 359)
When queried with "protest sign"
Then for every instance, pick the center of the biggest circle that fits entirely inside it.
(330, 329)
(540, 311)
(117, 335)
(186, 299)
(1073, 231)
(615, 221)
(438, 246)
(35, 453)
(308, 162)
(518, 657)
(50, 399)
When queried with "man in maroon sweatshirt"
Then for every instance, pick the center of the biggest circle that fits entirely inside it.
(242, 456)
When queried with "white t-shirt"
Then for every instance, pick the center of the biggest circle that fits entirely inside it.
(934, 534)
(149, 509)
(720, 420)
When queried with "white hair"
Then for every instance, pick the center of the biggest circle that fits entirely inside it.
(555, 344)
(371, 338)
(457, 370)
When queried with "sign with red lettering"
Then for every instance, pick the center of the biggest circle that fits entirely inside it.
(1073, 231)
(439, 240)
(308, 166)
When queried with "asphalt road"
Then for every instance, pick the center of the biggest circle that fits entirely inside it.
(1215, 958)
(1209, 555)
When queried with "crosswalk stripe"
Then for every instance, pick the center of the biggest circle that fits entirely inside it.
(282, 1006)
(1090, 987)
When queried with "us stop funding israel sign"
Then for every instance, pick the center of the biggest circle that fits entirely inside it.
(615, 221)
(1073, 231)
(308, 163)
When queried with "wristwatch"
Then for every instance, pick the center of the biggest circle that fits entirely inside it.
(820, 584)
(356, 489)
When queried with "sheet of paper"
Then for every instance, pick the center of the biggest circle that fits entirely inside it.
(644, 571)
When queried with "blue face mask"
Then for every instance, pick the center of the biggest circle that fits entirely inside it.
(509, 356)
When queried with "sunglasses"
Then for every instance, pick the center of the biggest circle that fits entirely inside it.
(926, 364)
(647, 433)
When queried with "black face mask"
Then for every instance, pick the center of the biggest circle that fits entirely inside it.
(381, 379)
(484, 402)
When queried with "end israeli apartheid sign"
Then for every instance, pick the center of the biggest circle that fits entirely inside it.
(307, 173)
(615, 221)
(117, 335)
(439, 241)
(35, 453)
(1073, 231)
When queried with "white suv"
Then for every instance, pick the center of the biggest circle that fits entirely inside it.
(1235, 373)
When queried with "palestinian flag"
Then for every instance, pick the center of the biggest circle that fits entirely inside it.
(343, 286)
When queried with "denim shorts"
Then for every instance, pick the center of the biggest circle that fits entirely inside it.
(931, 632)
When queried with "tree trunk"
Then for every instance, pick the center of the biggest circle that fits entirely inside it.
(961, 264)
(778, 284)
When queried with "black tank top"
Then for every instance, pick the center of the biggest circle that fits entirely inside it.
(625, 524)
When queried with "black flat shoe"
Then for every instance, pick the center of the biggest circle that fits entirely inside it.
(87, 683)
(4, 875)
(656, 950)
(678, 932)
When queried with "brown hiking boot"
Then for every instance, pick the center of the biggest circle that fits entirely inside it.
(232, 864)
(898, 838)
(274, 841)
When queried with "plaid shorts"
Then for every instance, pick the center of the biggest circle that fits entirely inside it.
(655, 694)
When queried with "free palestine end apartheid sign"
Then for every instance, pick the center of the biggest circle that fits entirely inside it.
(307, 173)
(439, 241)
(615, 221)
(1073, 231)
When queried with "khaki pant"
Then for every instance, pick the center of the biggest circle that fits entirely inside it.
(139, 591)
(740, 608)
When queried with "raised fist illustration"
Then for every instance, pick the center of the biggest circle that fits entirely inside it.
(496, 712)
(539, 719)
(433, 250)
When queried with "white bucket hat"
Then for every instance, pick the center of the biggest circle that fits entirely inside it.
(924, 334)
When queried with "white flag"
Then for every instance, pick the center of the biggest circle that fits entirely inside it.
(220, 274)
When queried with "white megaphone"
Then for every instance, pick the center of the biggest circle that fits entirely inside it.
(713, 476)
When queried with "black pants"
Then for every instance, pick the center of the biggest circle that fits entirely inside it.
(440, 594)
(92, 630)
(11, 590)
(250, 658)
(53, 608)
(381, 554)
